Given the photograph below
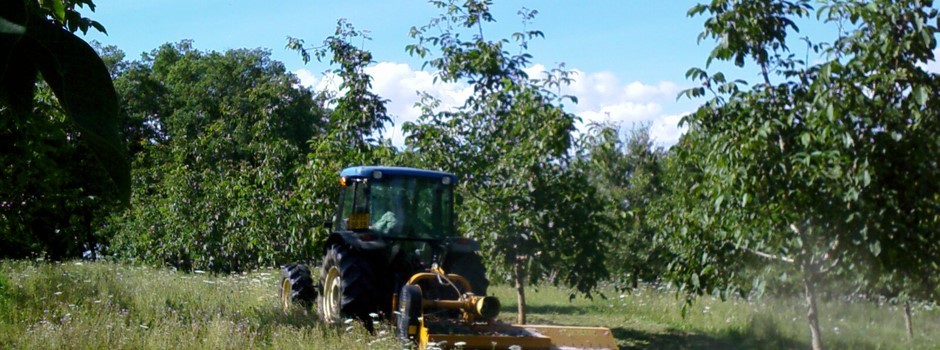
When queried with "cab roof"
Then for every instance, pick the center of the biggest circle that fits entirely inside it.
(366, 171)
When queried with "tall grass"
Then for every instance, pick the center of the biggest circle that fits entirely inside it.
(103, 305)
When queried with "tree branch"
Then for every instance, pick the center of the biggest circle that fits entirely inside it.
(770, 256)
(796, 230)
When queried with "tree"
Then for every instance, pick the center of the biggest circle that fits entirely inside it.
(628, 177)
(830, 168)
(217, 139)
(359, 116)
(510, 143)
(353, 132)
(61, 152)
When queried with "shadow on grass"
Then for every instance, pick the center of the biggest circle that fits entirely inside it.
(637, 339)
(761, 333)
(297, 317)
(546, 309)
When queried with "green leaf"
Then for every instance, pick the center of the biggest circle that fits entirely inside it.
(99, 27)
(83, 86)
(718, 202)
(920, 95)
(7, 27)
(875, 248)
(58, 10)
(806, 139)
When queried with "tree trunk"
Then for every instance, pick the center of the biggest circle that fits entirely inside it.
(809, 287)
(635, 279)
(519, 275)
(907, 321)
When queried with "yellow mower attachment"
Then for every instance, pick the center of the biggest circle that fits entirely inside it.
(526, 336)
(429, 322)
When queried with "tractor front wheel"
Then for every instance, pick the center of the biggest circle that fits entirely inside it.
(296, 286)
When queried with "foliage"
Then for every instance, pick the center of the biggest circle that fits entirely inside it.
(831, 168)
(236, 164)
(628, 176)
(218, 137)
(354, 126)
(509, 142)
(61, 153)
(50, 203)
(359, 116)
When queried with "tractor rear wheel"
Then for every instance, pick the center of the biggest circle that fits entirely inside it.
(470, 266)
(349, 287)
(296, 286)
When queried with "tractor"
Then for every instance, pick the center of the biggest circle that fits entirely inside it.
(394, 254)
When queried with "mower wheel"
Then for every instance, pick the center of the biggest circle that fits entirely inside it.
(409, 308)
(296, 286)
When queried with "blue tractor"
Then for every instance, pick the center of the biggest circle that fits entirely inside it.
(391, 225)
(394, 246)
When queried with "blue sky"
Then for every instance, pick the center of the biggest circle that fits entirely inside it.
(630, 38)
(630, 55)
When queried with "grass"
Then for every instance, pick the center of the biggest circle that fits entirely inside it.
(103, 305)
(652, 319)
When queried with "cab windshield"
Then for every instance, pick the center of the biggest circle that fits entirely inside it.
(411, 207)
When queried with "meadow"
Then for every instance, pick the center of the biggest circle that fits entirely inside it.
(82, 305)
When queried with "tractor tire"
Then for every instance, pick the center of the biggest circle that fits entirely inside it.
(409, 308)
(349, 287)
(296, 286)
(470, 266)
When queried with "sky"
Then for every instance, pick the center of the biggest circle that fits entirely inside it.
(629, 56)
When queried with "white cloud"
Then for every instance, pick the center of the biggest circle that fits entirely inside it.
(665, 130)
(602, 97)
(599, 89)
(306, 77)
(662, 90)
(400, 84)
(626, 112)
(327, 82)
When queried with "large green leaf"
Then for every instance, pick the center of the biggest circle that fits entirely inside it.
(12, 29)
(83, 86)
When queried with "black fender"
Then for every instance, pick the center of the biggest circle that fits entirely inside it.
(462, 245)
(363, 241)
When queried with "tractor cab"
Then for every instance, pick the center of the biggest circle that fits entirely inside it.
(396, 203)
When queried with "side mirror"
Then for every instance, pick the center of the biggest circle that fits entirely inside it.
(328, 223)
